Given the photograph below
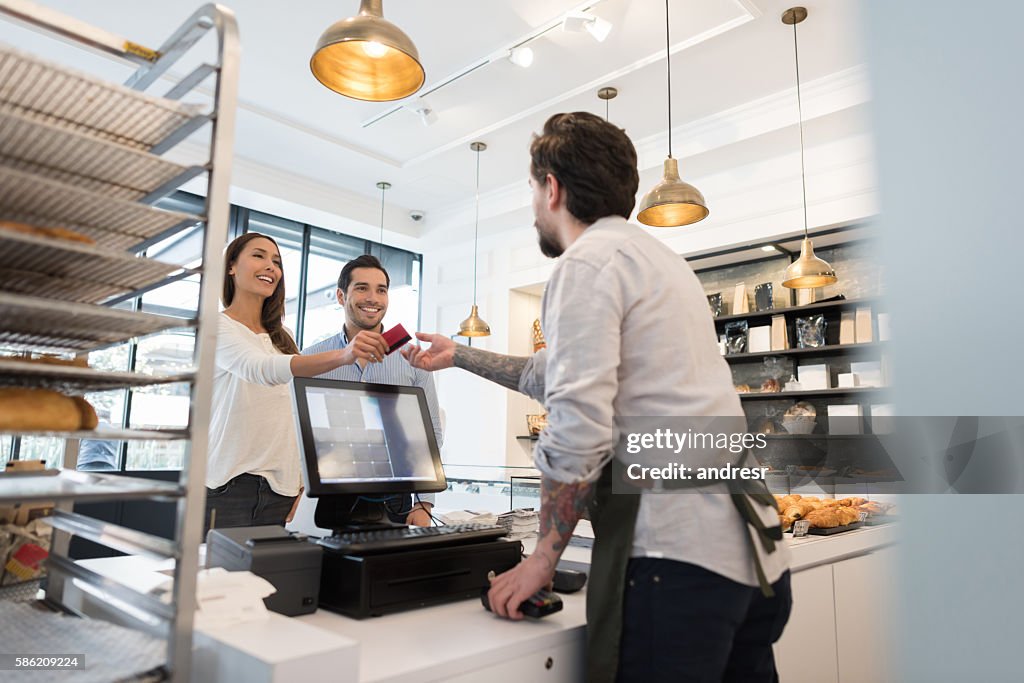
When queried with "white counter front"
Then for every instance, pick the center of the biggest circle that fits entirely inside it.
(461, 642)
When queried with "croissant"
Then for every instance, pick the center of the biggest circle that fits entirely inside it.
(847, 515)
(788, 500)
(824, 519)
(852, 502)
(829, 503)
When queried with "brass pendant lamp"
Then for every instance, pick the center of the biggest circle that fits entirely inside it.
(808, 271)
(383, 186)
(607, 94)
(474, 325)
(671, 202)
(366, 57)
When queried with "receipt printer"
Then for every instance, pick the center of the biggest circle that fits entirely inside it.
(288, 561)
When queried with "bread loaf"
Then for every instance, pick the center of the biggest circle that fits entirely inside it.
(51, 232)
(38, 410)
(88, 417)
(78, 362)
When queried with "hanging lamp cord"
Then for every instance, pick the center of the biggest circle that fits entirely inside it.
(381, 248)
(476, 225)
(668, 67)
(800, 115)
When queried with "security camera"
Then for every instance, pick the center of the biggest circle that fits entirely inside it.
(417, 215)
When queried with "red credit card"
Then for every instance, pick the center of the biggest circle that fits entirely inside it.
(396, 337)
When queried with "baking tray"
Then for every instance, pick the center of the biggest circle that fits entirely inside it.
(86, 161)
(878, 520)
(55, 94)
(75, 380)
(815, 531)
(115, 223)
(72, 271)
(44, 324)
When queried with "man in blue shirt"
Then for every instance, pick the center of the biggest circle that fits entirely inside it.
(99, 455)
(363, 293)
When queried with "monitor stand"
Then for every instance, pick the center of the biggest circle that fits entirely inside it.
(347, 513)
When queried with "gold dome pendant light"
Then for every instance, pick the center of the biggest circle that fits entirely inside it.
(366, 57)
(671, 202)
(808, 271)
(607, 94)
(474, 325)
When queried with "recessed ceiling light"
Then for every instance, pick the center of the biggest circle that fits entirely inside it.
(769, 248)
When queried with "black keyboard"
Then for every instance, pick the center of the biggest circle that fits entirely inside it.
(410, 538)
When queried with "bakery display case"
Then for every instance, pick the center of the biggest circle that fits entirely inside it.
(81, 166)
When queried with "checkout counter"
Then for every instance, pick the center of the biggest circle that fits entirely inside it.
(836, 632)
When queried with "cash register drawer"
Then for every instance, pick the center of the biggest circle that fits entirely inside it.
(393, 582)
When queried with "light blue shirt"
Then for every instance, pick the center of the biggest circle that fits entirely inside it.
(394, 369)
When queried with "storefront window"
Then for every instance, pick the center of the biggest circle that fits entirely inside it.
(6, 444)
(163, 406)
(328, 254)
(288, 235)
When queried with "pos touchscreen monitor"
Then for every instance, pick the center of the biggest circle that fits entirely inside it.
(360, 439)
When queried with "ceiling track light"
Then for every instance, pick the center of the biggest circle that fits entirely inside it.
(499, 55)
(808, 271)
(578, 22)
(366, 57)
(672, 202)
(428, 116)
(474, 325)
(521, 56)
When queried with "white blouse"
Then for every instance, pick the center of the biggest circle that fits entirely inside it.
(252, 428)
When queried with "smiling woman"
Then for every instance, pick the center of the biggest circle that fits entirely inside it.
(253, 473)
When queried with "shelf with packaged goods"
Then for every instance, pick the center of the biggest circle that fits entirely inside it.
(817, 307)
(830, 350)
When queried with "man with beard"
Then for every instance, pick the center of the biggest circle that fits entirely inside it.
(680, 589)
(363, 293)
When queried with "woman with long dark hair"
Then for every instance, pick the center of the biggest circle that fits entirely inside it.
(252, 475)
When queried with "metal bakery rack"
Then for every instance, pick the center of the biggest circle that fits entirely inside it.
(82, 154)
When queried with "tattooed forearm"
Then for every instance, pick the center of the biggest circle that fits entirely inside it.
(561, 507)
(505, 370)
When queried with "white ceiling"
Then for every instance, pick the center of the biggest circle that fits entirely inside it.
(726, 53)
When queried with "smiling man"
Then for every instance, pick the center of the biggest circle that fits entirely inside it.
(363, 293)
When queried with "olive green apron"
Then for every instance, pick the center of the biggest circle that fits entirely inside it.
(614, 518)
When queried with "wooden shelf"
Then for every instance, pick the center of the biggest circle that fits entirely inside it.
(832, 350)
(815, 393)
(795, 310)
